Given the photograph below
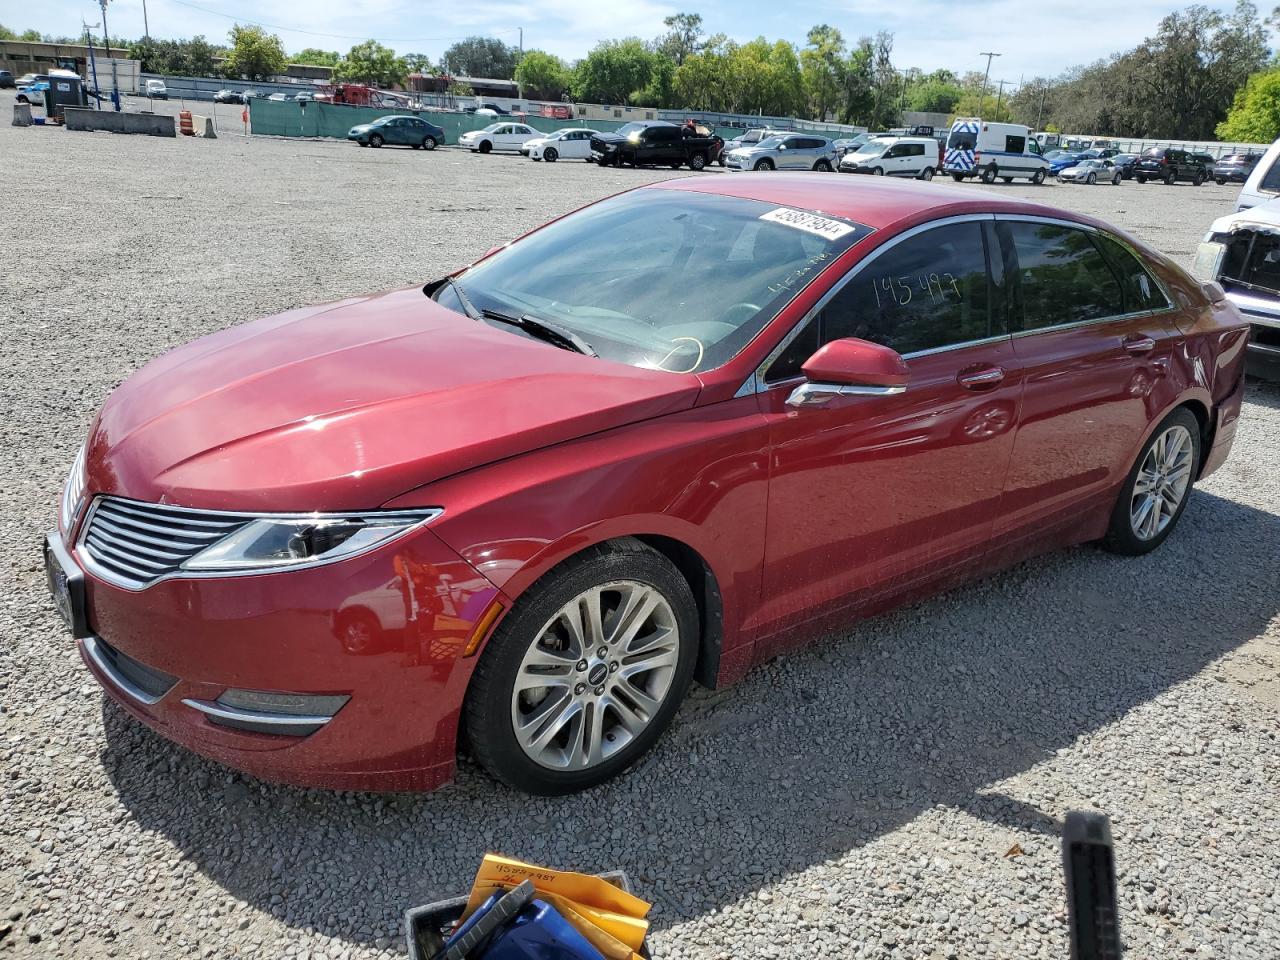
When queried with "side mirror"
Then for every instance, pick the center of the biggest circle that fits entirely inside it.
(850, 368)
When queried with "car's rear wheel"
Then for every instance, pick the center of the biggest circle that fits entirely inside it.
(926, 173)
(1219, 181)
(1157, 489)
(551, 155)
(765, 164)
(989, 174)
(375, 140)
(1007, 179)
(1141, 178)
(485, 146)
(822, 166)
(428, 143)
(586, 672)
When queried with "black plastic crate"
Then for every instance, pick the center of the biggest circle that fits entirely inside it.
(439, 917)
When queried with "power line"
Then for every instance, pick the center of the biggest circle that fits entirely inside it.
(331, 36)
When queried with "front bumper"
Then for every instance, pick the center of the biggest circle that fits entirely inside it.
(1263, 314)
(386, 629)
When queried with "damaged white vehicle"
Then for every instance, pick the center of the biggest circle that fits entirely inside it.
(1241, 253)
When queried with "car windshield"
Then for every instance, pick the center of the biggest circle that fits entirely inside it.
(872, 148)
(771, 142)
(492, 128)
(629, 128)
(662, 279)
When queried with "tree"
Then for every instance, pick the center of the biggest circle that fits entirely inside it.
(542, 76)
(1255, 114)
(255, 54)
(317, 57)
(821, 62)
(372, 63)
(31, 36)
(682, 39)
(481, 57)
(885, 84)
(6, 33)
(613, 71)
(418, 63)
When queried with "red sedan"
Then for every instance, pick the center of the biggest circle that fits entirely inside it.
(658, 440)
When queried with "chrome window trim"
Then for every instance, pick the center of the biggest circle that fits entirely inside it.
(756, 382)
(83, 553)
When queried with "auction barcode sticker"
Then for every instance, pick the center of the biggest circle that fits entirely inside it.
(808, 222)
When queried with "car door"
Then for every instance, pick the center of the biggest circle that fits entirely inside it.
(1092, 331)
(871, 496)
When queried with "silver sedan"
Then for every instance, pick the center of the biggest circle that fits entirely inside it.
(1091, 172)
(792, 151)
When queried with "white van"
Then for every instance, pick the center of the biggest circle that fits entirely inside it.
(976, 148)
(894, 157)
(156, 90)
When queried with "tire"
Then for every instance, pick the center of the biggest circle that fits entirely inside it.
(822, 166)
(1197, 179)
(1115, 180)
(495, 703)
(1091, 179)
(551, 154)
(926, 174)
(375, 140)
(765, 164)
(485, 146)
(1219, 181)
(428, 143)
(697, 161)
(877, 172)
(1156, 460)
(1038, 177)
(362, 143)
(720, 159)
(1007, 179)
(957, 177)
(1141, 178)
(988, 175)
(1170, 179)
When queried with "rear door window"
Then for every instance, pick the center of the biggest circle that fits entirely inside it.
(1061, 276)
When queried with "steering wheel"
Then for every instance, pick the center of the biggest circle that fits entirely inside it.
(740, 312)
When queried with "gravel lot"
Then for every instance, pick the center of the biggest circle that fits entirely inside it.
(858, 800)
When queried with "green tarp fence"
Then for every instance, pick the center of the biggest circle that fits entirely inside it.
(285, 118)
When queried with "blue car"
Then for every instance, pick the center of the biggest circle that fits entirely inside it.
(1059, 160)
(404, 131)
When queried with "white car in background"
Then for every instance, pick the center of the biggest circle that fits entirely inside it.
(1091, 171)
(569, 143)
(498, 136)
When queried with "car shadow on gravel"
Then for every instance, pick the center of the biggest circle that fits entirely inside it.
(809, 757)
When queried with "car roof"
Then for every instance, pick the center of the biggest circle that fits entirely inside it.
(877, 202)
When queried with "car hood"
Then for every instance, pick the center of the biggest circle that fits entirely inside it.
(362, 128)
(1264, 218)
(609, 137)
(348, 405)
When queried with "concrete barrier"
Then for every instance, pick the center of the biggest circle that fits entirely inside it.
(151, 124)
(203, 127)
(22, 114)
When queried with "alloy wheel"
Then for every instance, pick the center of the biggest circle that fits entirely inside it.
(1161, 483)
(596, 675)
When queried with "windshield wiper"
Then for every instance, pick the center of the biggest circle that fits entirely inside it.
(542, 329)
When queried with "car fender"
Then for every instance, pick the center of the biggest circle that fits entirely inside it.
(698, 477)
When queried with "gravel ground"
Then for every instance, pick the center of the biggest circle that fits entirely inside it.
(893, 792)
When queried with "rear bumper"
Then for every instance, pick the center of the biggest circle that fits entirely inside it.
(386, 630)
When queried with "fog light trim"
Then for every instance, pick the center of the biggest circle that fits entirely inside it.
(292, 714)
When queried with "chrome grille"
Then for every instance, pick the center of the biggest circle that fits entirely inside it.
(134, 544)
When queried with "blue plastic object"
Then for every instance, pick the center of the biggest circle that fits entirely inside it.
(536, 932)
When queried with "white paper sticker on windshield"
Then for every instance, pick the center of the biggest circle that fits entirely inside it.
(808, 222)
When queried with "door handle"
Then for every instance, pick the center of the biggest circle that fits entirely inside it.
(1138, 344)
(982, 379)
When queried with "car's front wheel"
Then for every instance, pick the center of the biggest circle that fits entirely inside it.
(485, 146)
(1156, 491)
(550, 155)
(586, 672)
(1038, 177)
(765, 164)
(697, 161)
(375, 140)
(429, 143)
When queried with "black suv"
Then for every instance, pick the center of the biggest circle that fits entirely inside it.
(1169, 165)
(6, 79)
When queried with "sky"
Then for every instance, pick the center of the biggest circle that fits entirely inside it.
(1033, 39)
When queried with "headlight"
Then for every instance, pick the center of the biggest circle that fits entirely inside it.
(73, 492)
(1208, 261)
(289, 542)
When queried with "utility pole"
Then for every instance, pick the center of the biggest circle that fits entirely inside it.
(999, 97)
(146, 29)
(1044, 89)
(982, 98)
(115, 84)
(521, 43)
